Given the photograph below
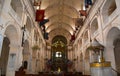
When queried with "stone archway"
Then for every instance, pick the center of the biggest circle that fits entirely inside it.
(117, 53)
(59, 53)
(26, 53)
(4, 55)
(12, 36)
(112, 51)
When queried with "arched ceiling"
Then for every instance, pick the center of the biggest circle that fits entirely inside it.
(62, 32)
(61, 14)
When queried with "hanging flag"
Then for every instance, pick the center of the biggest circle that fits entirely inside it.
(83, 13)
(43, 28)
(87, 3)
(44, 22)
(46, 35)
(37, 2)
(40, 15)
(72, 37)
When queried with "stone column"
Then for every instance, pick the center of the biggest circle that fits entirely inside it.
(30, 66)
(19, 57)
(1, 42)
(11, 60)
(11, 65)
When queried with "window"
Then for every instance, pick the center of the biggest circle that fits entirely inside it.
(58, 54)
(108, 8)
(17, 7)
(94, 26)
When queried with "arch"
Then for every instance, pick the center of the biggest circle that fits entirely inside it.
(25, 64)
(59, 25)
(65, 19)
(108, 8)
(69, 17)
(61, 28)
(110, 53)
(62, 32)
(94, 26)
(4, 55)
(116, 44)
(62, 38)
(17, 6)
(59, 52)
(69, 8)
(28, 24)
(12, 32)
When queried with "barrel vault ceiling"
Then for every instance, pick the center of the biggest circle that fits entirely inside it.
(61, 15)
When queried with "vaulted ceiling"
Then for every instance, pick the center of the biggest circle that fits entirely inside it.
(61, 15)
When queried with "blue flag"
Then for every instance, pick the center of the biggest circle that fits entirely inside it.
(87, 3)
(44, 22)
(46, 35)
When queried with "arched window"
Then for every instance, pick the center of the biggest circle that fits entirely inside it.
(17, 7)
(28, 25)
(25, 64)
(86, 36)
(94, 26)
(108, 8)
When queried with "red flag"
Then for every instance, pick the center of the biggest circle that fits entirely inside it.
(72, 37)
(83, 13)
(40, 15)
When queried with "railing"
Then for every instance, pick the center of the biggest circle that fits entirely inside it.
(118, 74)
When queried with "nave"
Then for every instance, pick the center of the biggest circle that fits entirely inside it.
(21, 72)
(60, 37)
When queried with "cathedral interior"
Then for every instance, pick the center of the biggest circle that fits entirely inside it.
(59, 38)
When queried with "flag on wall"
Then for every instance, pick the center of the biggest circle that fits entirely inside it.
(37, 2)
(46, 35)
(43, 28)
(72, 37)
(44, 22)
(87, 3)
(83, 13)
(40, 15)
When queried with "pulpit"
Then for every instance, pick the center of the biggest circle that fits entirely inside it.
(99, 67)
